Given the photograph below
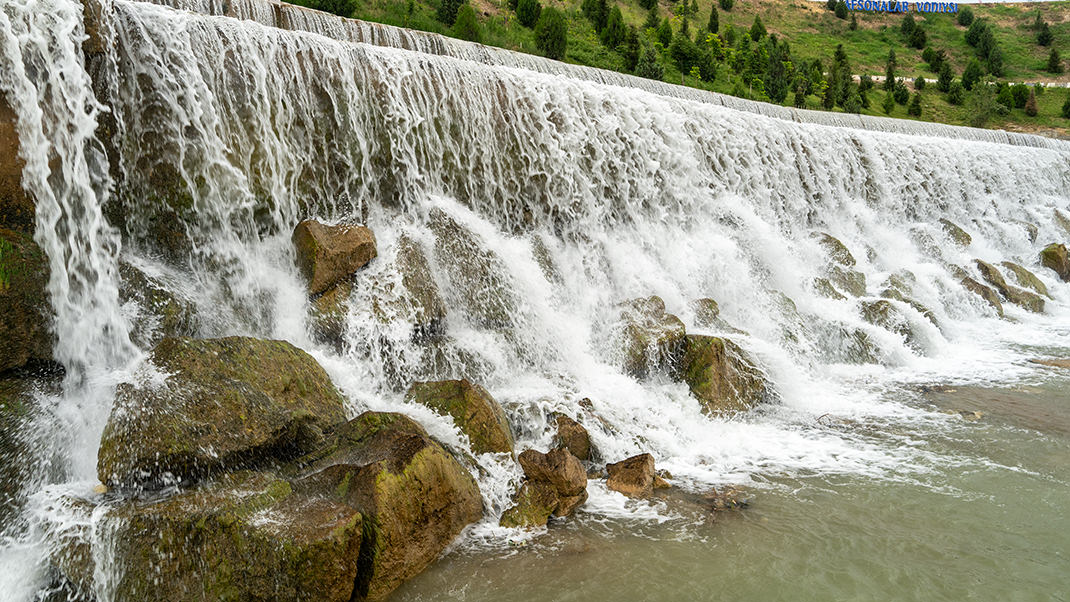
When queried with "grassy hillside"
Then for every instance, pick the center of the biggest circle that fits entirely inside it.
(813, 32)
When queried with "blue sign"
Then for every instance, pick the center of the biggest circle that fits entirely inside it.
(894, 6)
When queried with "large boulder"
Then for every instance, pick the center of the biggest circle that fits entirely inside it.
(721, 375)
(25, 313)
(984, 292)
(649, 338)
(1026, 278)
(572, 436)
(555, 485)
(836, 250)
(163, 311)
(473, 410)
(849, 281)
(634, 477)
(1023, 298)
(955, 233)
(327, 255)
(420, 297)
(1054, 258)
(414, 496)
(247, 536)
(227, 402)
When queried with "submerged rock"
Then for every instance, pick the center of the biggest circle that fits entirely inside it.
(634, 477)
(572, 436)
(650, 339)
(900, 287)
(1054, 258)
(957, 234)
(1053, 363)
(25, 312)
(473, 410)
(327, 255)
(728, 498)
(1026, 299)
(1026, 278)
(421, 296)
(226, 403)
(555, 485)
(721, 375)
(986, 293)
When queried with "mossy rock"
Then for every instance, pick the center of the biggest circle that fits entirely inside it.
(16, 205)
(1054, 258)
(532, 507)
(473, 410)
(1061, 220)
(421, 296)
(986, 293)
(25, 311)
(837, 251)
(555, 485)
(955, 233)
(708, 315)
(246, 537)
(721, 375)
(20, 456)
(414, 496)
(900, 287)
(884, 314)
(1022, 298)
(649, 339)
(572, 436)
(164, 312)
(823, 287)
(327, 315)
(849, 281)
(228, 402)
(1026, 278)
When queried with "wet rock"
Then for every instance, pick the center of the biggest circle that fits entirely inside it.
(572, 436)
(25, 311)
(16, 205)
(545, 259)
(849, 281)
(532, 507)
(1031, 230)
(823, 287)
(558, 467)
(986, 293)
(164, 312)
(900, 287)
(328, 255)
(884, 314)
(1061, 220)
(473, 410)
(650, 339)
(19, 455)
(634, 477)
(957, 234)
(245, 537)
(414, 496)
(1054, 258)
(555, 485)
(227, 402)
(837, 251)
(728, 498)
(327, 315)
(721, 375)
(708, 315)
(421, 296)
(1054, 363)
(1022, 298)
(1026, 278)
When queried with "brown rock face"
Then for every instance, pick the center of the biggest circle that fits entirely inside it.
(1054, 257)
(558, 467)
(1023, 298)
(25, 312)
(472, 408)
(572, 436)
(721, 375)
(633, 477)
(650, 338)
(327, 255)
(16, 206)
(555, 485)
(986, 293)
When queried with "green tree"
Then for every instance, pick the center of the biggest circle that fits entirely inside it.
(831, 4)
(447, 11)
(915, 105)
(466, 27)
(889, 72)
(965, 16)
(649, 66)
(888, 105)
(976, 30)
(907, 26)
(1066, 106)
(901, 94)
(956, 93)
(726, 5)
(1055, 62)
(1044, 35)
(665, 33)
(342, 8)
(551, 33)
(981, 105)
(972, 74)
(597, 12)
(995, 62)
(919, 82)
(853, 104)
(943, 80)
(918, 38)
(854, 22)
(648, 4)
(1031, 104)
(757, 30)
(865, 83)
(714, 23)
(652, 19)
(986, 43)
(527, 12)
(685, 29)
(1020, 93)
(841, 10)
(630, 48)
(1004, 96)
(613, 33)
(685, 53)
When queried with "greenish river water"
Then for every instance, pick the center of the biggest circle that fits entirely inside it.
(989, 521)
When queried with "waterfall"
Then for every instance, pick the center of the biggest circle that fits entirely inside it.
(569, 191)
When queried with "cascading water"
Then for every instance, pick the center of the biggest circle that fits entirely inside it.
(543, 200)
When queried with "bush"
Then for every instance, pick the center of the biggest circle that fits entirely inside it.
(447, 11)
(865, 83)
(919, 83)
(342, 8)
(901, 94)
(665, 33)
(854, 23)
(466, 27)
(1031, 104)
(943, 81)
(649, 66)
(831, 4)
(972, 74)
(841, 10)
(928, 55)
(596, 12)
(1055, 63)
(956, 93)
(965, 17)
(888, 105)
(1066, 107)
(915, 106)
(685, 53)
(648, 4)
(1004, 96)
(527, 12)
(974, 33)
(757, 30)
(907, 26)
(981, 105)
(551, 33)
(1044, 35)
(726, 5)
(1020, 94)
(714, 23)
(613, 33)
(918, 38)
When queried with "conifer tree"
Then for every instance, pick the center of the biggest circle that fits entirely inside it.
(1044, 36)
(1031, 104)
(915, 105)
(551, 33)
(466, 27)
(649, 66)
(889, 72)
(1066, 106)
(972, 74)
(652, 18)
(613, 33)
(527, 12)
(943, 81)
(1055, 62)
(965, 16)
(757, 30)
(665, 33)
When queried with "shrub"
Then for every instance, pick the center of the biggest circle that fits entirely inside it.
(981, 105)
(798, 100)
(714, 23)
(447, 11)
(831, 4)
(915, 105)
(685, 53)
(889, 104)
(1066, 107)
(919, 83)
(918, 38)
(596, 12)
(726, 5)
(972, 74)
(928, 55)
(757, 30)
(1044, 35)
(965, 17)
(613, 33)
(865, 83)
(527, 12)
(551, 33)
(649, 66)
(342, 8)
(652, 19)
(907, 26)
(956, 93)
(665, 33)
(943, 81)
(1055, 63)
(995, 62)
(854, 23)
(648, 4)
(902, 95)
(1020, 94)
(466, 27)
(1004, 96)
(974, 33)
(1031, 104)
(841, 10)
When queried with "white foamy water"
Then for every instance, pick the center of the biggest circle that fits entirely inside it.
(579, 189)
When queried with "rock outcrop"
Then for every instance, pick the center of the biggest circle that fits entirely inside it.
(1028, 300)
(839, 273)
(16, 205)
(473, 410)
(163, 312)
(227, 403)
(572, 436)
(328, 255)
(955, 233)
(984, 292)
(1026, 278)
(836, 250)
(1054, 258)
(649, 338)
(634, 477)
(555, 484)
(25, 313)
(721, 375)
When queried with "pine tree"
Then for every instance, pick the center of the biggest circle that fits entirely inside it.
(995, 62)
(956, 93)
(527, 12)
(597, 12)
(447, 11)
(648, 4)
(551, 33)
(685, 29)
(841, 10)
(901, 94)
(1044, 35)
(889, 72)
(630, 48)
(1020, 93)
(974, 33)
(726, 5)
(919, 83)
(888, 105)
(652, 18)
(907, 26)
(915, 105)
(665, 33)
(466, 27)
(1031, 104)
(918, 38)
(1066, 106)
(713, 25)
(965, 17)
(757, 30)
(972, 74)
(854, 23)
(1055, 63)
(649, 66)
(613, 33)
(831, 4)
(943, 81)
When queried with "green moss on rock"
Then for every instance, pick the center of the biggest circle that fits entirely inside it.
(533, 506)
(721, 375)
(986, 293)
(837, 251)
(1026, 278)
(1054, 258)
(955, 233)
(25, 312)
(473, 410)
(649, 339)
